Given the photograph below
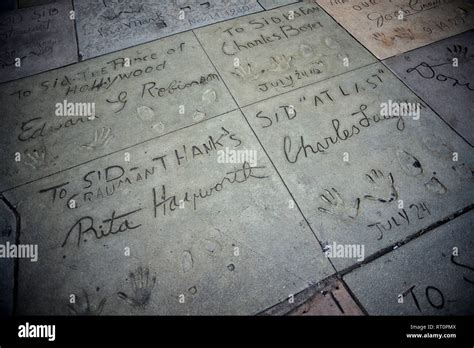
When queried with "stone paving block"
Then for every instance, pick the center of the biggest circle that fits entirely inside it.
(107, 26)
(333, 300)
(133, 95)
(201, 209)
(36, 39)
(431, 275)
(329, 297)
(388, 28)
(364, 180)
(269, 53)
(270, 4)
(442, 75)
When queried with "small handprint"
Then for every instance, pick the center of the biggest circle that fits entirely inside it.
(247, 73)
(83, 306)
(386, 40)
(36, 159)
(403, 33)
(383, 186)
(281, 63)
(8, 58)
(43, 47)
(142, 286)
(337, 206)
(101, 138)
(460, 52)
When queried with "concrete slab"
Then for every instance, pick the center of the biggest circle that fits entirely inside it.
(196, 232)
(388, 28)
(262, 55)
(363, 180)
(442, 75)
(430, 275)
(9, 226)
(36, 39)
(271, 4)
(30, 3)
(135, 95)
(108, 26)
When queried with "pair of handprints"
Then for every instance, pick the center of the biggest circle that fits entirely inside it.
(383, 190)
(142, 284)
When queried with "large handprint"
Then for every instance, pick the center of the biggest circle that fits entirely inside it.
(336, 205)
(142, 286)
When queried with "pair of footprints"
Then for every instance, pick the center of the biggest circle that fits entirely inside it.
(384, 191)
(142, 284)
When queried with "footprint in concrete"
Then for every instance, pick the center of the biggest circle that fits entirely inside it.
(306, 51)
(209, 96)
(212, 247)
(145, 113)
(343, 57)
(409, 163)
(198, 116)
(331, 43)
(159, 127)
(437, 146)
(148, 116)
(187, 262)
(435, 186)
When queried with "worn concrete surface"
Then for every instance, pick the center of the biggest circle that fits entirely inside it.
(36, 39)
(107, 26)
(433, 274)
(230, 236)
(388, 28)
(271, 4)
(9, 226)
(157, 93)
(442, 74)
(30, 3)
(262, 55)
(359, 178)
